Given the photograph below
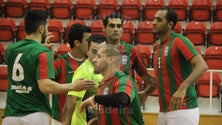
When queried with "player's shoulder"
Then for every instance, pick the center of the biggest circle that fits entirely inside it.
(121, 75)
(123, 43)
(127, 46)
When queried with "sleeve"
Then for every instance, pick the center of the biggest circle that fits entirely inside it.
(125, 84)
(45, 68)
(186, 47)
(138, 64)
(114, 100)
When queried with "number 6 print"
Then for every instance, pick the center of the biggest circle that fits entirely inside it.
(18, 71)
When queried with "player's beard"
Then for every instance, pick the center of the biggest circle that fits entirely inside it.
(99, 69)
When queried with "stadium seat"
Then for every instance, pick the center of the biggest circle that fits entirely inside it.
(7, 29)
(213, 57)
(63, 49)
(107, 7)
(196, 32)
(39, 5)
(84, 9)
(21, 33)
(131, 9)
(3, 78)
(178, 28)
(200, 10)
(203, 85)
(56, 28)
(180, 7)
(144, 33)
(145, 54)
(128, 31)
(61, 9)
(215, 34)
(2, 53)
(151, 7)
(15, 8)
(218, 11)
(69, 24)
(2, 7)
(97, 27)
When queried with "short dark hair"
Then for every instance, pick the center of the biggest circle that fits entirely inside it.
(97, 38)
(114, 15)
(76, 33)
(171, 15)
(34, 19)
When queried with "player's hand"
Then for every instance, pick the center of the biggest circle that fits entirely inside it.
(177, 99)
(89, 102)
(93, 121)
(48, 37)
(142, 96)
(47, 43)
(81, 84)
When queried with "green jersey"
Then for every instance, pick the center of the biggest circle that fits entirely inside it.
(172, 66)
(27, 61)
(129, 115)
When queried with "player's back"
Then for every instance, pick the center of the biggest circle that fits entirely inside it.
(24, 54)
(23, 61)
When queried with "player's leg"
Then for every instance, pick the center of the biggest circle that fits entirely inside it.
(56, 122)
(11, 121)
(184, 117)
(162, 117)
(37, 118)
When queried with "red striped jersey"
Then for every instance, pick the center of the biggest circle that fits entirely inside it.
(65, 67)
(27, 62)
(172, 67)
(131, 60)
(129, 115)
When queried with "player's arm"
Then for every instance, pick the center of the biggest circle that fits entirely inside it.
(45, 72)
(149, 89)
(123, 96)
(120, 99)
(150, 80)
(93, 121)
(141, 70)
(68, 109)
(114, 100)
(124, 93)
(50, 86)
(195, 59)
(199, 68)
